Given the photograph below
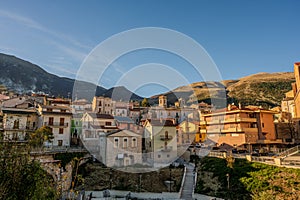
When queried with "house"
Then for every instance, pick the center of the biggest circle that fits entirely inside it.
(18, 123)
(58, 118)
(81, 106)
(103, 105)
(122, 108)
(120, 148)
(94, 124)
(160, 145)
(76, 128)
(248, 127)
(186, 133)
(179, 112)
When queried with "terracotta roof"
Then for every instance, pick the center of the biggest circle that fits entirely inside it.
(103, 127)
(101, 116)
(161, 122)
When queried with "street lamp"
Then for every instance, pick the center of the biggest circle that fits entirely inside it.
(228, 176)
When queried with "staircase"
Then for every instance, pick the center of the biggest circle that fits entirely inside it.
(290, 152)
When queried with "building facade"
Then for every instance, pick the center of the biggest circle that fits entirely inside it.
(241, 127)
(58, 118)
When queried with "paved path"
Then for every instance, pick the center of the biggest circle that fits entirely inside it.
(188, 186)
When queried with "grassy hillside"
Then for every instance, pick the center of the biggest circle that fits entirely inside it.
(247, 180)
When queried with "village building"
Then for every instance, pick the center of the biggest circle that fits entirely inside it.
(93, 124)
(249, 127)
(81, 106)
(103, 105)
(19, 123)
(58, 118)
(120, 148)
(160, 145)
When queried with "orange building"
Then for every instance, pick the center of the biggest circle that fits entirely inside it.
(296, 89)
(248, 127)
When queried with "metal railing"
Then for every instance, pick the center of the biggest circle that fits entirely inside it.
(290, 151)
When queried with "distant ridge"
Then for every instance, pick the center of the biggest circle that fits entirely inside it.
(24, 77)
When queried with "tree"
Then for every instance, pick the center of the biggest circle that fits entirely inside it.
(21, 177)
(41, 135)
(145, 103)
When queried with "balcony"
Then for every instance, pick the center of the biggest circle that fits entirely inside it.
(56, 124)
(217, 130)
(166, 137)
(246, 119)
(215, 121)
(19, 128)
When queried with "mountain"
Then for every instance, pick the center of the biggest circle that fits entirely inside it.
(266, 89)
(121, 93)
(23, 77)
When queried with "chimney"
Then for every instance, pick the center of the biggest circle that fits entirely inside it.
(240, 106)
(229, 107)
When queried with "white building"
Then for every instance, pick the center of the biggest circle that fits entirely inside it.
(58, 118)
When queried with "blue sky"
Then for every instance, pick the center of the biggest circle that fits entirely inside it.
(242, 37)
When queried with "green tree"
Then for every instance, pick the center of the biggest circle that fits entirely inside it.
(41, 135)
(21, 177)
(145, 103)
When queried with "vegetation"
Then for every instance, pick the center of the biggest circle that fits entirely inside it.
(264, 93)
(145, 103)
(41, 135)
(98, 177)
(246, 180)
(21, 177)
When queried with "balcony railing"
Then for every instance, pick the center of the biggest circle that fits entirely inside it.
(20, 128)
(56, 124)
(166, 137)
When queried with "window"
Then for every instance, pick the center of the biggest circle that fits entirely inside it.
(116, 142)
(61, 131)
(49, 109)
(158, 156)
(60, 142)
(50, 121)
(61, 121)
(125, 142)
(100, 103)
(263, 125)
(63, 110)
(133, 142)
(107, 123)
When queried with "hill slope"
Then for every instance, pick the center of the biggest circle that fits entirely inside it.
(265, 89)
(262, 88)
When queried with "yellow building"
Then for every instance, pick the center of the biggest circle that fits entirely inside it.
(160, 141)
(188, 132)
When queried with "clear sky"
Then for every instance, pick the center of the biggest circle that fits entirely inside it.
(242, 37)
